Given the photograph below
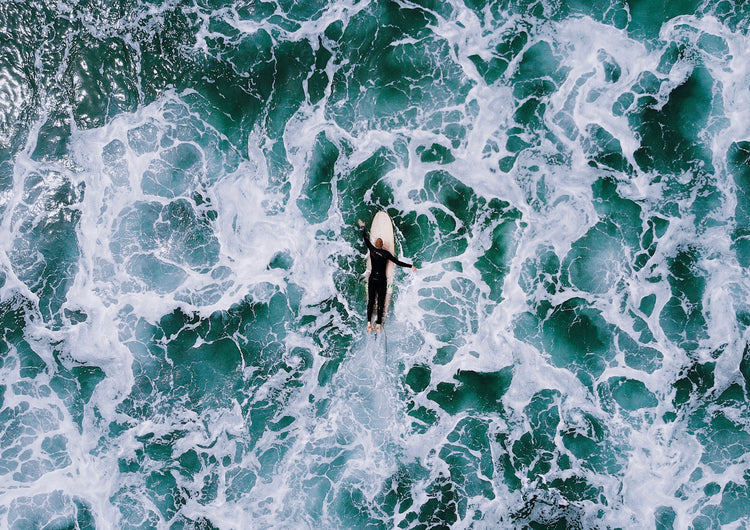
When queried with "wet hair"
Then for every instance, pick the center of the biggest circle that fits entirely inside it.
(378, 243)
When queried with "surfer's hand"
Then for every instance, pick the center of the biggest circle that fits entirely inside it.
(360, 222)
(414, 268)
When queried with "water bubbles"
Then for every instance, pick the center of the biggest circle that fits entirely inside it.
(181, 298)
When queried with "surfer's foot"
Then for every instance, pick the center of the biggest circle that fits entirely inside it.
(378, 328)
(369, 327)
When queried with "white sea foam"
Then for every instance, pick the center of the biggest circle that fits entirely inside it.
(345, 423)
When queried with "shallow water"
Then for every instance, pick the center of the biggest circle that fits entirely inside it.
(182, 341)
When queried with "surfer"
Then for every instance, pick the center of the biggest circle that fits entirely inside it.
(378, 284)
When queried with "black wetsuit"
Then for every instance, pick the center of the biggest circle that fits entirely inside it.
(379, 258)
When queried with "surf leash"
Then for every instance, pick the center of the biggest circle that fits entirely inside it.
(385, 343)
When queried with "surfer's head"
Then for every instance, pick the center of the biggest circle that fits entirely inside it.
(378, 243)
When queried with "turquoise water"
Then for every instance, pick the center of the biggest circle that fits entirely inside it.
(182, 336)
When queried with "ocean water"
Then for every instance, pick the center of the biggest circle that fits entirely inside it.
(182, 300)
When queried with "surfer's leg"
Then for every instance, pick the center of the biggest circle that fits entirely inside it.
(382, 288)
(371, 293)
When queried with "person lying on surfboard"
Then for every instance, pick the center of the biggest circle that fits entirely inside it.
(378, 284)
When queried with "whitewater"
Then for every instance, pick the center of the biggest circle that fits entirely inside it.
(182, 289)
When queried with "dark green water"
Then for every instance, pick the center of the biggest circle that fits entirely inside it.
(182, 338)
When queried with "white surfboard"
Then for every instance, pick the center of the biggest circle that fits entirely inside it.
(382, 227)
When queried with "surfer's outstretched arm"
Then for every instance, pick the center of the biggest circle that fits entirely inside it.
(398, 262)
(366, 237)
